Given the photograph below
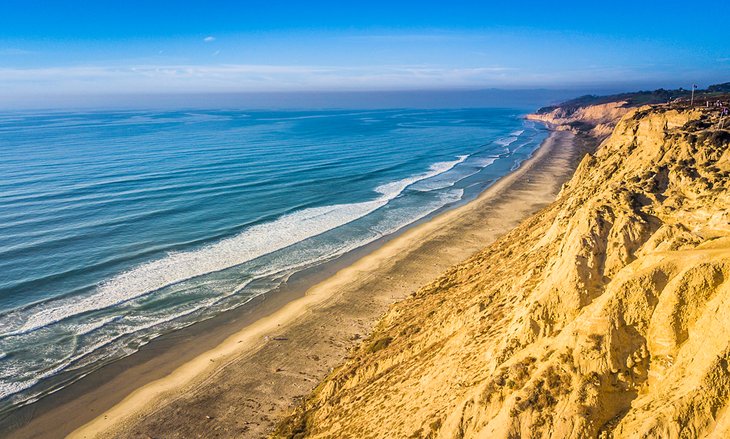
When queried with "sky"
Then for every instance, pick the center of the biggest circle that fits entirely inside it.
(82, 48)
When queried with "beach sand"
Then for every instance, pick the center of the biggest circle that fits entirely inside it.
(242, 384)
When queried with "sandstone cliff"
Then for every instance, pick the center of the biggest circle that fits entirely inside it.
(595, 120)
(607, 314)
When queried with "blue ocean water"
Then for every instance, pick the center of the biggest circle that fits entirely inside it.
(117, 227)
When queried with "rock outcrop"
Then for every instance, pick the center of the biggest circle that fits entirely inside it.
(595, 120)
(607, 314)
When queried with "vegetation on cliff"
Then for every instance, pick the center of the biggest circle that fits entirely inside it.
(646, 97)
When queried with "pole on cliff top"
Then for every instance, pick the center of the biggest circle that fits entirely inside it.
(692, 100)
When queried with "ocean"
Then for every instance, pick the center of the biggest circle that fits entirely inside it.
(119, 226)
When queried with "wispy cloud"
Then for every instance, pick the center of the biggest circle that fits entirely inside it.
(14, 51)
(409, 38)
(150, 78)
(242, 77)
(209, 39)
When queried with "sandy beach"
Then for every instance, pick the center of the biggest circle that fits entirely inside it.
(240, 383)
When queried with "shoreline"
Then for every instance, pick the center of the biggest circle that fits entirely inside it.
(281, 314)
(162, 354)
(110, 383)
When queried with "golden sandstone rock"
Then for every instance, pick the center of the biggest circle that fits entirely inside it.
(607, 314)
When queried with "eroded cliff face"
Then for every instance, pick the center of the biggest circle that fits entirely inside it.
(596, 120)
(607, 314)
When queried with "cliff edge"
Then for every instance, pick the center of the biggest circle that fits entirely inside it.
(604, 315)
(594, 120)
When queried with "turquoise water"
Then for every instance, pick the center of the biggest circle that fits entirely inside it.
(116, 227)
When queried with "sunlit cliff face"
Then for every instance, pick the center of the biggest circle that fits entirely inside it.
(603, 315)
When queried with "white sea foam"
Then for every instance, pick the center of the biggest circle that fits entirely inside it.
(506, 141)
(435, 185)
(8, 388)
(483, 162)
(86, 328)
(176, 267)
(520, 146)
(392, 190)
(131, 325)
(11, 387)
(447, 180)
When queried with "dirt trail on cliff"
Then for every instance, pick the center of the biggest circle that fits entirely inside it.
(603, 315)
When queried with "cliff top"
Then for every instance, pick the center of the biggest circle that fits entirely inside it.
(712, 93)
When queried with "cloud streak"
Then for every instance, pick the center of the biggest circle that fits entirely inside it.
(176, 78)
(12, 51)
(240, 77)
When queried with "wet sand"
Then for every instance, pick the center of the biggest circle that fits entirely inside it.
(237, 375)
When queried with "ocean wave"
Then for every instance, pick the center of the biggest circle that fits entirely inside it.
(138, 324)
(9, 388)
(483, 162)
(392, 190)
(475, 166)
(506, 141)
(176, 267)
(15, 386)
(89, 327)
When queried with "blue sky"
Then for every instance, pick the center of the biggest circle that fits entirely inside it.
(116, 47)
